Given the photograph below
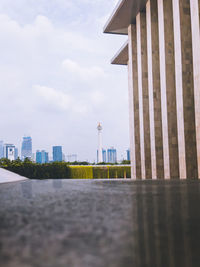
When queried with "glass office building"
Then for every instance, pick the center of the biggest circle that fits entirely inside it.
(42, 157)
(57, 153)
(112, 155)
(26, 151)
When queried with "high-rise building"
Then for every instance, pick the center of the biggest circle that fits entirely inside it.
(26, 148)
(57, 153)
(103, 156)
(112, 155)
(9, 151)
(42, 157)
(1, 149)
(38, 157)
(128, 154)
(16, 153)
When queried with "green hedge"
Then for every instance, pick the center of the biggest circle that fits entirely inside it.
(81, 172)
(120, 172)
(100, 172)
(61, 170)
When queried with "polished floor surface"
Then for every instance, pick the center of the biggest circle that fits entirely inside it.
(90, 223)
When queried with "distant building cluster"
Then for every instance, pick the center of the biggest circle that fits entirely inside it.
(109, 156)
(8, 151)
(11, 152)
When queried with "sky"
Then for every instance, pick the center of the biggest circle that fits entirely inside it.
(56, 79)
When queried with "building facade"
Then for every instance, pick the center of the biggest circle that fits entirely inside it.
(103, 156)
(1, 150)
(9, 151)
(42, 157)
(26, 151)
(163, 58)
(16, 153)
(112, 155)
(128, 157)
(57, 153)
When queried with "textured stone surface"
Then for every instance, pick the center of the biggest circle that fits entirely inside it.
(7, 176)
(154, 90)
(134, 104)
(195, 25)
(100, 223)
(143, 96)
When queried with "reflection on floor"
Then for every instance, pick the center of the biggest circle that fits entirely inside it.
(100, 223)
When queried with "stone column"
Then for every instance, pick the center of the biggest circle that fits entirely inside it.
(131, 123)
(143, 96)
(134, 104)
(168, 89)
(184, 89)
(154, 90)
(194, 9)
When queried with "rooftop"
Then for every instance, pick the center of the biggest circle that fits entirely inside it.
(121, 58)
(123, 15)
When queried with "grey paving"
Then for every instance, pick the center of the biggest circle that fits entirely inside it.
(92, 223)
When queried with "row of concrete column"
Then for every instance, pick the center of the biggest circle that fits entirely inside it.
(164, 90)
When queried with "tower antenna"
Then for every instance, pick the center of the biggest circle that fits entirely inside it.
(100, 150)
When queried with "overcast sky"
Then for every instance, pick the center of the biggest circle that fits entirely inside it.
(56, 80)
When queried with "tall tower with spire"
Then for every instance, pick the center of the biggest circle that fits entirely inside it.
(100, 154)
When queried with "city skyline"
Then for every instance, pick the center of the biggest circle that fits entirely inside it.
(65, 156)
(56, 69)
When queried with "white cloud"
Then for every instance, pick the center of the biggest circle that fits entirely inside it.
(56, 82)
(85, 73)
(97, 97)
(54, 97)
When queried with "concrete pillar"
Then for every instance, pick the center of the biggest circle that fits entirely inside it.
(194, 9)
(143, 96)
(184, 89)
(134, 104)
(154, 90)
(168, 89)
(131, 123)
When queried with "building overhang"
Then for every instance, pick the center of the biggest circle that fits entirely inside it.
(121, 58)
(123, 15)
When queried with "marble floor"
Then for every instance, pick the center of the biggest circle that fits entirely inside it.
(8, 177)
(100, 223)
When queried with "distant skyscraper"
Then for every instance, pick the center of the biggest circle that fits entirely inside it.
(9, 151)
(112, 155)
(100, 155)
(38, 156)
(128, 154)
(1, 149)
(57, 153)
(16, 153)
(26, 148)
(104, 155)
(42, 157)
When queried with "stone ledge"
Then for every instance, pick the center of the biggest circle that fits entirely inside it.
(8, 177)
